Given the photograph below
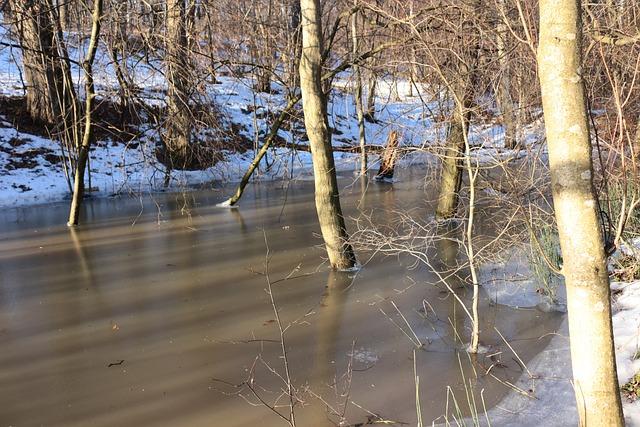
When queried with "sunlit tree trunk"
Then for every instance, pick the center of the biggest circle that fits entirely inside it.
(83, 150)
(178, 122)
(575, 203)
(327, 197)
(451, 174)
(461, 82)
(63, 6)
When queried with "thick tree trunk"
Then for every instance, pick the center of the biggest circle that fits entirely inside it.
(451, 174)
(575, 203)
(44, 76)
(327, 196)
(177, 136)
(462, 84)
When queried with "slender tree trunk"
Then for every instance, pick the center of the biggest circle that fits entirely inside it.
(83, 154)
(118, 50)
(636, 142)
(327, 196)
(575, 202)
(233, 200)
(295, 46)
(362, 139)
(178, 121)
(503, 89)
(370, 114)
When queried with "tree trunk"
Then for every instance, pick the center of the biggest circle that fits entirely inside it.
(63, 7)
(503, 89)
(341, 255)
(389, 157)
(178, 122)
(362, 139)
(295, 47)
(118, 50)
(451, 175)
(43, 72)
(370, 114)
(462, 85)
(83, 154)
(575, 202)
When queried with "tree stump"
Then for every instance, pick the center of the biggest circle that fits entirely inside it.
(389, 158)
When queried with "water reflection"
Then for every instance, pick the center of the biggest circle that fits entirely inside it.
(326, 382)
(169, 285)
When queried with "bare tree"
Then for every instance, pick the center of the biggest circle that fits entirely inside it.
(327, 196)
(461, 84)
(87, 136)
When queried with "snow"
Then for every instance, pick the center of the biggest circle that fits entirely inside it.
(626, 329)
(509, 281)
(118, 168)
(554, 404)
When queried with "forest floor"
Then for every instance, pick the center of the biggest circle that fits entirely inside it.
(32, 165)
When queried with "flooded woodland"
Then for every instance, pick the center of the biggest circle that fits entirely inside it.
(319, 213)
(159, 314)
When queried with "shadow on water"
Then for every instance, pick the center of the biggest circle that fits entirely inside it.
(128, 321)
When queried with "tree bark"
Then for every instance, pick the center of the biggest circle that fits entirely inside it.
(62, 6)
(370, 113)
(503, 89)
(388, 158)
(83, 154)
(451, 175)
(46, 97)
(462, 81)
(178, 122)
(575, 202)
(362, 139)
(334, 232)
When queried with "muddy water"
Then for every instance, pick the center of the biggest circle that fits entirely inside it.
(156, 315)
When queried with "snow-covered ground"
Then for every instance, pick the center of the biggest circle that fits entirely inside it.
(511, 282)
(118, 167)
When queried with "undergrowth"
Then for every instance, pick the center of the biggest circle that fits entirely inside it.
(545, 250)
